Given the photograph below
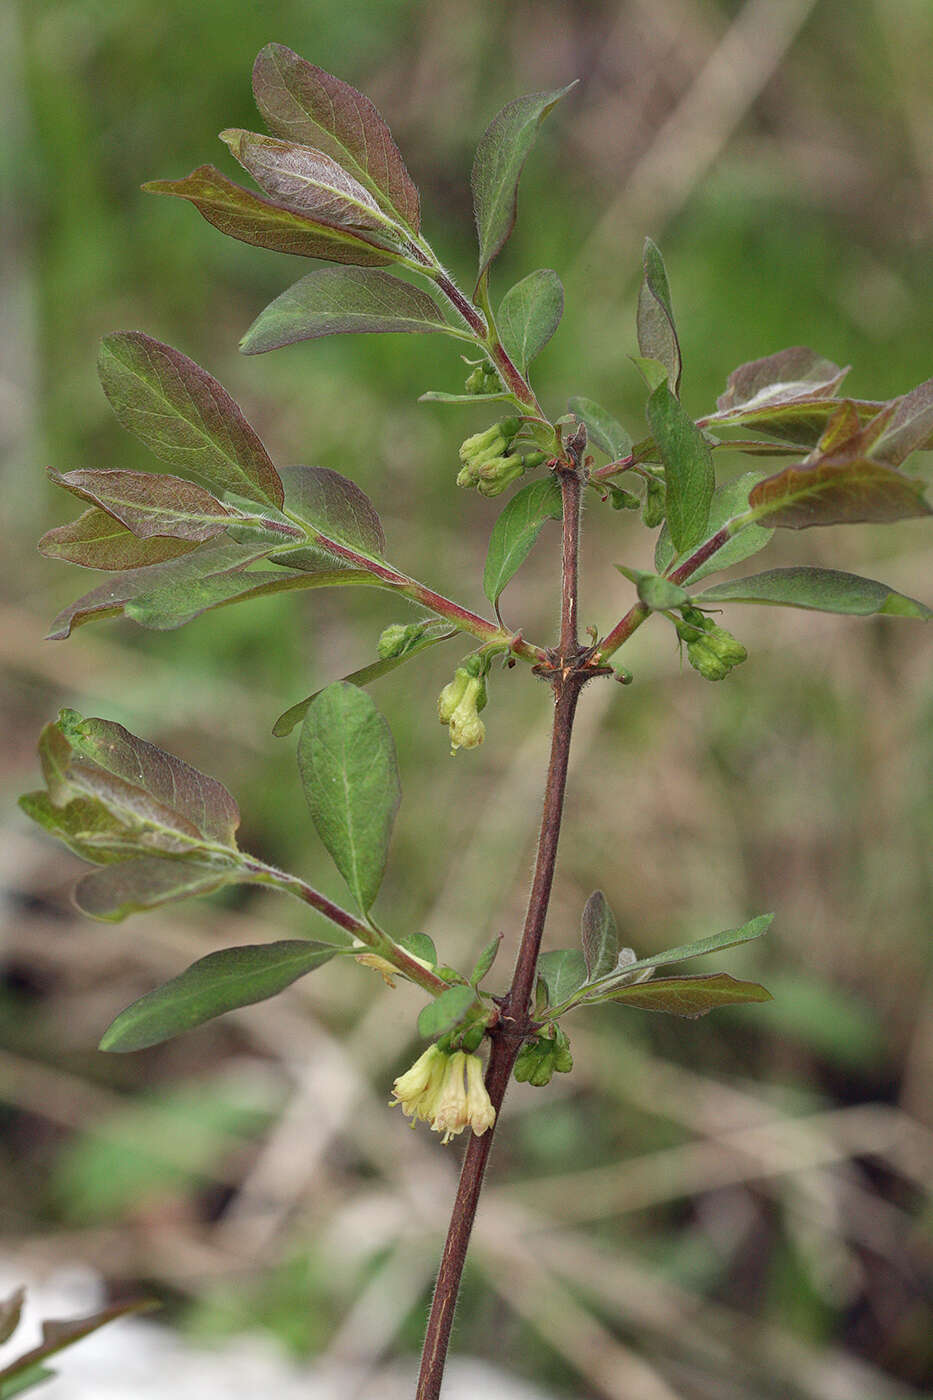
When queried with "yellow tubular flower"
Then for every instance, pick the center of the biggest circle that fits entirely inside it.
(450, 1107)
(480, 1111)
(417, 1089)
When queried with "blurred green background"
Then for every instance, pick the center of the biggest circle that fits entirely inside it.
(734, 1208)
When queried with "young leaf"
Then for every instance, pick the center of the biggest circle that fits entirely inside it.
(150, 505)
(515, 532)
(602, 429)
(302, 103)
(497, 169)
(729, 938)
(657, 593)
(445, 1012)
(241, 214)
(485, 960)
(96, 541)
(529, 314)
(600, 937)
(823, 590)
(688, 468)
(421, 946)
(343, 301)
(910, 427)
(183, 414)
(334, 506)
(563, 972)
(796, 374)
(441, 396)
(308, 182)
(177, 602)
(346, 757)
(657, 333)
(728, 500)
(438, 632)
(841, 490)
(114, 892)
(689, 996)
(214, 984)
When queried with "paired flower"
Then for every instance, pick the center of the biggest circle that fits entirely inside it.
(711, 650)
(488, 463)
(433, 1091)
(458, 706)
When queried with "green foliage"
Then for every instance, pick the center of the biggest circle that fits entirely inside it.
(343, 301)
(515, 532)
(688, 467)
(529, 314)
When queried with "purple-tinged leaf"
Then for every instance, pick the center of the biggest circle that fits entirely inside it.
(150, 505)
(728, 500)
(910, 427)
(800, 422)
(821, 590)
(600, 937)
(185, 416)
(688, 468)
(176, 603)
(689, 996)
(602, 429)
(56, 1336)
(348, 767)
(147, 882)
(563, 972)
(529, 314)
(497, 168)
(516, 531)
(308, 182)
(302, 103)
(215, 984)
(657, 333)
(11, 1310)
(837, 490)
(702, 947)
(241, 214)
(343, 301)
(96, 541)
(335, 507)
(790, 375)
(110, 599)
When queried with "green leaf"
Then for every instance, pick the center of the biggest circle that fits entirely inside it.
(150, 505)
(308, 182)
(500, 158)
(910, 427)
(602, 429)
(485, 960)
(421, 946)
(25, 1380)
(728, 500)
(563, 972)
(302, 103)
(346, 757)
(529, 314)
(823, 590)
(96, 541)
(439, 632)
(343, 301)
(840, 490)
(439, 396)
(657, 333)
(178, 602)
(445, 1012)
(134, 886)
(515, 532)
(600, 937)
(56, 1336)
(185, 416)
(214, 984)
(688, 468)
(335, 507)
(729, 938)
(246, 216)
(658, 594)
(689, 996)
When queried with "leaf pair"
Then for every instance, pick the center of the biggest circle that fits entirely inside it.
(602, 971)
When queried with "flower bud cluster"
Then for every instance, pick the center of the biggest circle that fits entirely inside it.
(541, 1056)
(655, 503)
(460, 702)
(483, 380)
(399, 638)
(446, 1091)
(487, 463)
(711, 650)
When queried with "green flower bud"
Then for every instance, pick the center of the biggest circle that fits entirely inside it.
(563, 1059)
(397, 638)
(467, 730)
(529, 1060)
(542, 1072)
(496, 475)
(452, 694)
(490, 443)
(728, 648)
(655, 503)
(482, 380)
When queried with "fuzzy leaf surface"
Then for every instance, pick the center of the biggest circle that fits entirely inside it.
(529, 314)
(96, 541)
(821, 590)
(688, 468)
(837, 490)
(346, 757)
(185, 416)
(795, 374)
(445, 1011)
(114, 892)
(342, 301)
(601, 428)
(657, 333)
(600, 937)
(563, 972)
(516, 530)
(335, 506)
(175, 604)
(910, 427)
(728, 500)
(689, 996)
(302, 103)
(248, 217)
(150, 505)
(213, 985)
(500, 158)
(441, 396)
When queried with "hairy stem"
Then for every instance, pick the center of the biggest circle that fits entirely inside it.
(567, 675)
